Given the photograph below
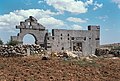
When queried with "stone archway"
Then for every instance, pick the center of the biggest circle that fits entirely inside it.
(30, 26)
(29, 39)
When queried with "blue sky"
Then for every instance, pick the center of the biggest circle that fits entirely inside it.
(63, 14)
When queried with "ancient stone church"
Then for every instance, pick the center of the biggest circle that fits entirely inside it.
(82, 41)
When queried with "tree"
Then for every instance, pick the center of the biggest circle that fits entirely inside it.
(13, 43)
(1, 42)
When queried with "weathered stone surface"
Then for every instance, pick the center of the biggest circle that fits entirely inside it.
(20, 50)
(83, 41)
(30, 26)
(107, 53)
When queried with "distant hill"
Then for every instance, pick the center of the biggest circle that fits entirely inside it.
(110, 45)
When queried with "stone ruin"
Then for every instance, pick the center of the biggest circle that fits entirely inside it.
(30, 26)
(81, 42)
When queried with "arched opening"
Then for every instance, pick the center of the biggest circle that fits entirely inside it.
(29, 39)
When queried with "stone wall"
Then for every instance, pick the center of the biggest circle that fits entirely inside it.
(30, 26)
(83, 41)
(20, 50)
(62, 40)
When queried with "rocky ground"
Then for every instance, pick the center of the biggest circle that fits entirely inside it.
(32, 68)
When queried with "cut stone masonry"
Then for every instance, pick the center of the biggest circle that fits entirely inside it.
(84, 42)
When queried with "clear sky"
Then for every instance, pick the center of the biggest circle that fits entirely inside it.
(63, 14)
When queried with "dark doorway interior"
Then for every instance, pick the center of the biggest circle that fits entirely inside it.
(77, 46)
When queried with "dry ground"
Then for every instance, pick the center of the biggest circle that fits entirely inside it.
(34, 69)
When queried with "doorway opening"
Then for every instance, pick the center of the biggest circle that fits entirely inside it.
(77, 46)
(28, 39)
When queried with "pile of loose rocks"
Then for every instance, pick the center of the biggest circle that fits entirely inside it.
(106, 52)
(19, 50)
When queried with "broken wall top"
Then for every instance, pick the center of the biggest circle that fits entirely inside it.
(30, 23)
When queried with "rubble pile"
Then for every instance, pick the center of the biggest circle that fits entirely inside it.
(106, 52)
(100, 52)
(19, 50)
(65, 54)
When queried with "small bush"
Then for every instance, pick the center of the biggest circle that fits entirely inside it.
(12, 43)
(1, 42)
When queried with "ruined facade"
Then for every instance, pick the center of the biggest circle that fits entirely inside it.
(30, 26)
(82, 41)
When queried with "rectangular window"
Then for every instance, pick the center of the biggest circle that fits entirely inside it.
(97, 39)
(53, 38)
(84, 38)
(68, 35)
(48, 46)
(72, 38)
(62, 48)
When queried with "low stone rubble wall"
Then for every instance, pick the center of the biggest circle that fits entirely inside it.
(106, 52)
(19, 50)
(24, 50)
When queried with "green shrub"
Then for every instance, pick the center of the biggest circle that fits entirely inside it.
(13, 43)
(1, 42)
